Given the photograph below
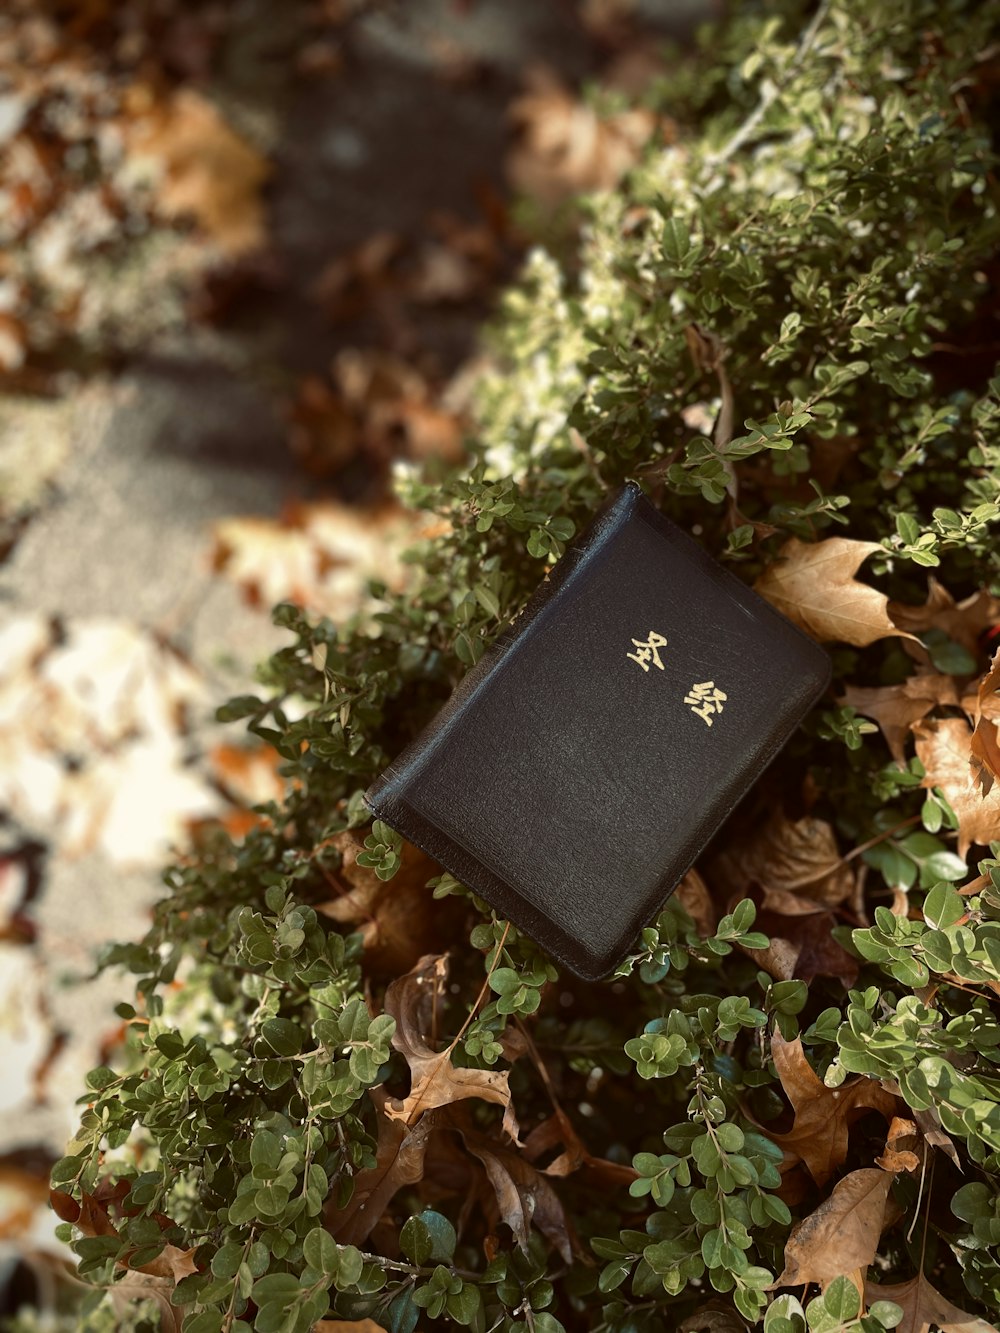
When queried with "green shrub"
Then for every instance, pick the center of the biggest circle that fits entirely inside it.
(782, 326)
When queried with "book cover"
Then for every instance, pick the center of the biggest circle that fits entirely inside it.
(579, 768)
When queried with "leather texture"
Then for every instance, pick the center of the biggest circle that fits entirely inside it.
(570, 780)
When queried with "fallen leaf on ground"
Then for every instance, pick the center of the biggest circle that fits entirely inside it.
(813, 584)
(525, 1198)
(319, 556)
(248, 775)
(897, 707)
(925, 1308)
(27, 1037)
(944, 747)
(412, 1000)
(802, 947)
(842, 1235)
(962, 621)
(564, 146)
(823, 1116)
(202, 168)
(93, 722)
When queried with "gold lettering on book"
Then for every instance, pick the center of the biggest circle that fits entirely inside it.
(648, 650)
(705, 699)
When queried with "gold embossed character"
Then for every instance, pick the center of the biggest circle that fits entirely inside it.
(648, 650)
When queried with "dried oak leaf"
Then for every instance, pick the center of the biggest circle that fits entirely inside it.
(897, 707)
(803, 947)
(842, 1235)
(412, 1001)
(823, 1116)
(153, 1281)
(962, 621)
(525, 1198)
(813, 584)
(205, 169)
(985, 742)
(944, 747)
(399, 1161)
(925, 1308)
(796, 862)
(398, 919)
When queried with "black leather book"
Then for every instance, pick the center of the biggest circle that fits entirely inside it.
(579, 768)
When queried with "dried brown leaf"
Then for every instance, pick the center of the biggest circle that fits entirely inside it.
(207, 171)
(558, 1130)
(813, 584)
(902, 1138)
(398, 919)
(412, 1001)
(962, 621)
(564, 146)
(985, 742)
(792, 858)
(524, 1197)
(842, 1235)
(823, 1116)
(693, 895)
(399, 1161)
(897, 707)
(944, 747)
(924, 1308)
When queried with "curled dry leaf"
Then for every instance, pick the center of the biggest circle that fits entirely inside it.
(897, 707)
(203, 168)
(813, 584)
(924, 1308)
(929, 1123)
(413, 1000)
(153, 1281)
(842, 1235)
(944, 747)
(900, 1142)
(823, 1116)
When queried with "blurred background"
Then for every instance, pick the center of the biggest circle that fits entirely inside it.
(247, 253)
